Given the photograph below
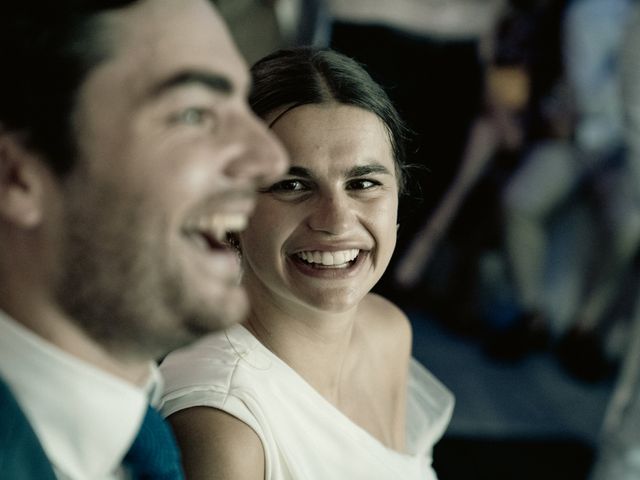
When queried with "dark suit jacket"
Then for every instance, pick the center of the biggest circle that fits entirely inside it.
(21, 455)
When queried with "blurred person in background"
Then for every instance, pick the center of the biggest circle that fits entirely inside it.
(573, 192)
(619, 455)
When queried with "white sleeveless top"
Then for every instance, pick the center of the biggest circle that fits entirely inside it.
(303, 435)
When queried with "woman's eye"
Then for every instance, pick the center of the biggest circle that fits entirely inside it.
(288, 186)
(362, 184)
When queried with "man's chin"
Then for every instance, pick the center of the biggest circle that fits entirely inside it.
(230, 309)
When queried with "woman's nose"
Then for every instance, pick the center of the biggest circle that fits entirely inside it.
(331, 214)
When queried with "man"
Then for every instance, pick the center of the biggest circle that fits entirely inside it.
(127, 153)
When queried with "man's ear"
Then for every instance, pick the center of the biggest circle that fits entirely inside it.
(21, 183)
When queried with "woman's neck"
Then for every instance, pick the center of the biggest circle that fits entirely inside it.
(314, 343)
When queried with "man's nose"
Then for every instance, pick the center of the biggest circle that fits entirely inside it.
(263, 157)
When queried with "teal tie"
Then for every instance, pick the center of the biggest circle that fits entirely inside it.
(21, 455)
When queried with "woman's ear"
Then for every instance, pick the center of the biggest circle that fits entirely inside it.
(21, 183)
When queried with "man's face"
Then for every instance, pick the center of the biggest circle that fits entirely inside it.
(169, 154)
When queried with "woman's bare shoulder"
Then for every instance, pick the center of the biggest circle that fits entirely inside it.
(216, 445)
(387, 322)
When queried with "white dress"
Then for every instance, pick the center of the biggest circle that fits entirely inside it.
(303, 435)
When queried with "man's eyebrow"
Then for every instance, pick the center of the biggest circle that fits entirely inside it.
(362, 170)
(211, 81)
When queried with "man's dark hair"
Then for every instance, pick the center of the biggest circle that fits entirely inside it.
(47, 48)
(305, 75)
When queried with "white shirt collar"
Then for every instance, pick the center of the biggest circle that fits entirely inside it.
(85, 418)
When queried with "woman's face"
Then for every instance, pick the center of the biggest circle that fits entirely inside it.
(323, 234)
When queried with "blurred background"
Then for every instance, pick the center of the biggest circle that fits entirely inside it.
(517, 258)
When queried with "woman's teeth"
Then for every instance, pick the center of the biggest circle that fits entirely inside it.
(328, 259)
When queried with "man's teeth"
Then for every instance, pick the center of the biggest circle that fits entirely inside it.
(329, 258)
(218, 225)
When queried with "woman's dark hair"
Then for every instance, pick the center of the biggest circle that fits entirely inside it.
(305, 75)
(47, 48)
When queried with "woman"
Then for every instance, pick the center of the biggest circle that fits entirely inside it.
(318, 383)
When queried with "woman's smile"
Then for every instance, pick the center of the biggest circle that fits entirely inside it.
(334, 265)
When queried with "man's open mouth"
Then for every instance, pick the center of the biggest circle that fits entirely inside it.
(212, 232)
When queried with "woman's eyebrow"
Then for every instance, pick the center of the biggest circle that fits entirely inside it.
(299, 172)
(357, 171)
(362, 170)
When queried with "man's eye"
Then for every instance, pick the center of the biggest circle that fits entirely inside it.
(362, 184)
(194, 116)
